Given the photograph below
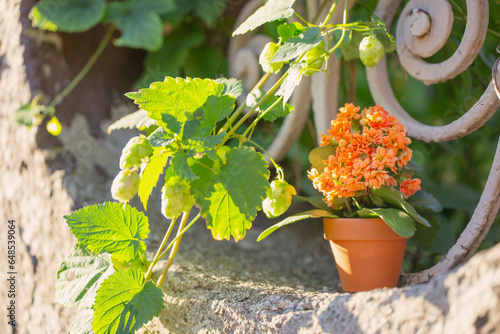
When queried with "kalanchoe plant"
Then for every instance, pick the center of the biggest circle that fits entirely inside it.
(362, 170)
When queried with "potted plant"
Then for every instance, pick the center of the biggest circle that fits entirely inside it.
(362, 170)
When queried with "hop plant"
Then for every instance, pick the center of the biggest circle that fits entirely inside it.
(175, 198)
(279, 198)
(371, 51)
(125, 185)
(314, 59)
(135, 152)
(265, 57)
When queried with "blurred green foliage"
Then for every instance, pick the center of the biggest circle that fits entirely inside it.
(455, 172)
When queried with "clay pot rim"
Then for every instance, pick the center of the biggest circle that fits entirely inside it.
(358, 229)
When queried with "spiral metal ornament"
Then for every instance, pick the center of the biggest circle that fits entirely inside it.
(411, 35)
(419, 34)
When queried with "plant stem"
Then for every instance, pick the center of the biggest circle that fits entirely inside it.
(320, 10)
(276, 166)
(348, 205)
(344, 20)
(58, 99)
(244, 118)
(258, 118)
(330, 13)
(179, 235)
(238, 111)
(173, 252)
(158, 252)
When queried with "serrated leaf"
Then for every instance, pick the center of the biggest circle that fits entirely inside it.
(295, 218)
(160, 138)
(67, 16)
(232, 87)
(273, 10)
(136, 120)
(289, 30)
(79, 277)
(272, 111)
(139, 22)
(229, 198)
(181, 167)
(295, 46)
(291, 81)
(82, 323)
(392, 196)
(110, 227)
(399, 221)
(151, 174)
(171, 56)
(175, 97)
(217, 108)
(125, 302)
(277, 111)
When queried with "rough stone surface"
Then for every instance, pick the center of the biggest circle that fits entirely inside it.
(204, 295)
(285, 284)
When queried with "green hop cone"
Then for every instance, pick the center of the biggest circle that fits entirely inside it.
(265, 58)
(135, 152)
(371, 51)
(175, 198)
(278, 199)
(314, 59)
(125, 185)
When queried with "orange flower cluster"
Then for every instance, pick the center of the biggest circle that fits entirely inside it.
(371, 146)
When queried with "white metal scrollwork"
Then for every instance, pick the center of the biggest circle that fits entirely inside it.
(423, 28)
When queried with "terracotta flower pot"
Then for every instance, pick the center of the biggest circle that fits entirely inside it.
(368, 253)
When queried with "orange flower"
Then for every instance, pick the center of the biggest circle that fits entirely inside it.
(409, 187)
(370, 147)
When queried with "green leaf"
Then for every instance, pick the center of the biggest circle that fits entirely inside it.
(289, 30)
(125, 302)
(161, 138)
(392, 196)
(233, 87)
(298, 45)
(316, 201)
(136, 120)
(206, 61)
(291, 81)
(151, 174)
(445, 236)
(295, 218)
(273, 10)
(110, 227)
(172, 55)
(209, 11)
(79, 277)
(67, 16)
(139, 21)
(399, 221)
(217, 107)
(230, 197)
(426, 236)
(425, 200)
(319, 155)
(175, 97)
(277, 111)
(181, 167)
(82, 323)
